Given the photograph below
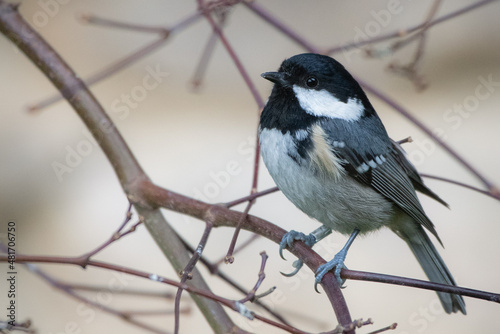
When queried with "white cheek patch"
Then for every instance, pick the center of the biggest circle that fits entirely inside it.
(322, 103)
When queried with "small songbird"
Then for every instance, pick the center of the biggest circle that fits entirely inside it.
(329, 153)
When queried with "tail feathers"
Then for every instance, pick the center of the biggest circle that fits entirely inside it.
(434, 267)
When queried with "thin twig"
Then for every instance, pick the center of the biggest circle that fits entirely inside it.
(284, 327)
(410, 70)
(68, 290)
(124, 163)
(261, 276)
(400, 33)
(234, 305)
(125, 61)
(187, 272)
(251, 197)
(117, 235)
(239, 248)
(213, 268)
(385, 329)
(229, 255)
(460, 184)
(236, 60)
(208, 51)
(414, 120)
(96, 20)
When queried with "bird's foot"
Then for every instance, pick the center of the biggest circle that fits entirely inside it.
(288, 239)
(338, 263)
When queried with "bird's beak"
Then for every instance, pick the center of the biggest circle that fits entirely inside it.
(276, 77)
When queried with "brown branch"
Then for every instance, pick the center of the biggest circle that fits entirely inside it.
(236, 60)
(96, 20)
(208, 51)
(119, 65)
(251, 197)
(232, 304)
(125, 165)
(415, 283)
(116, 236)
(213, 268)
(229, 255)
(260, 103)
(461, 184)
(187, 273)
(68, 290)
(251, 294)
(400, 33)
(225, 217)
(297, 249)
(414, 120)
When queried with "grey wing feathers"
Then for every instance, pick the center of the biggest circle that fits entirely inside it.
(390, 180)
(374, 159)
(412, 173)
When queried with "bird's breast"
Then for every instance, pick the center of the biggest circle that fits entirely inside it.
(318, 185)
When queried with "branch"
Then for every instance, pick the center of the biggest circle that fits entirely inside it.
(232, 304)
(165, 34)
(112, 143)
(225, 217)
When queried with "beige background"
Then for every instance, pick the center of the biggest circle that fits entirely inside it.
(184, 139)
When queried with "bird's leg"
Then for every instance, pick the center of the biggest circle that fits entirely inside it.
(337, 262)
(311, 239)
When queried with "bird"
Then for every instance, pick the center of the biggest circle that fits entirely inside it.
(329, 153)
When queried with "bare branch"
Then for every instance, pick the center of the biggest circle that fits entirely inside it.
(125, 165)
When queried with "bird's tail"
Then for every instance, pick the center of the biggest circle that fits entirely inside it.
(434, 267)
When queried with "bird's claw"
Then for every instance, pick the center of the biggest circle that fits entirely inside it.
(288, 239)
(297, 264)
(338, 263)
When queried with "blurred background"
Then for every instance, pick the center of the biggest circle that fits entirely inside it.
(65, 199)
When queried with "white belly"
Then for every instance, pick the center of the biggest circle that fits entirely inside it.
(341, 204)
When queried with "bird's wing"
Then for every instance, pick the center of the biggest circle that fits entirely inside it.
(371, 159)
(412, 173)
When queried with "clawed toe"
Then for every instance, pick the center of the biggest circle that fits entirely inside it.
(287, 241)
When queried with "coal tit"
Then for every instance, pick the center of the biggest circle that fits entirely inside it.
(329, 153)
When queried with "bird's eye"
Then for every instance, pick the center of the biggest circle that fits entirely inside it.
(312, 82)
